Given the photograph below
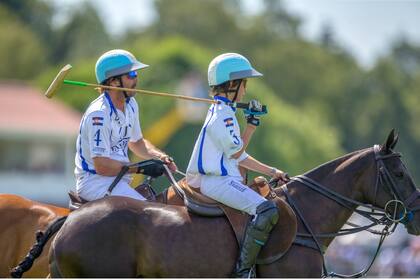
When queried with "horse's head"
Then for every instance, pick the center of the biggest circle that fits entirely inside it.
(394, 189)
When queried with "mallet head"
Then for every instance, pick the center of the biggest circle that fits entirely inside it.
(58, 81)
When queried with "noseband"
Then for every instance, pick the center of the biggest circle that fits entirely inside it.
(387, 217)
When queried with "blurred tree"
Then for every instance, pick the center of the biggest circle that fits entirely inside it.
(307, 75)
(21, 52)
(407, 57)
(223, 25)
(27, 32)
(207, 22)
(36, 15)
(327, 39)
(83, 36)
(278, 21)
(389, 98)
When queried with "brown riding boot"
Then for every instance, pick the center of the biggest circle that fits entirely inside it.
(256, 235)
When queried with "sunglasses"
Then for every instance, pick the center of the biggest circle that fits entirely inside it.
(132, 75)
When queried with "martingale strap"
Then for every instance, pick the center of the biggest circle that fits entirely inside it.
(316, 245)
(305, 223)
(384, 179)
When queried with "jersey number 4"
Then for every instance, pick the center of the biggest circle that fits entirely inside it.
(97, 137)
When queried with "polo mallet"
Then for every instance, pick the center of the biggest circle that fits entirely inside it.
(59, 80)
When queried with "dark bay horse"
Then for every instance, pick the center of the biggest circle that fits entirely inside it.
(119, 237)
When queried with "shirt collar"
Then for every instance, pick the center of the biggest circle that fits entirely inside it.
(225, 100)
(113, 110)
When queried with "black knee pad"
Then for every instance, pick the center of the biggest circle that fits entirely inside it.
(267, 216)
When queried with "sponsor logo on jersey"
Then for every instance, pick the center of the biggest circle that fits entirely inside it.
(121, 146)
(237, 186)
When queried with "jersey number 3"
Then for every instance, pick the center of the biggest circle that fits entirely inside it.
(97, 137)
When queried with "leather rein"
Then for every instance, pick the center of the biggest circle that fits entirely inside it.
(381, 217)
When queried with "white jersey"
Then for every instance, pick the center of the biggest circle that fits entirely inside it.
(219, 139)
(105, 132)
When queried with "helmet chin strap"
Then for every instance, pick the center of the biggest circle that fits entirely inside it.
(236, 91)
(121, 86)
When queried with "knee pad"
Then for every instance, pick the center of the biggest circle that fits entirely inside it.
(267, 216)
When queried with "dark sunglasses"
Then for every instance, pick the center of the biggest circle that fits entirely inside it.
(132, 75)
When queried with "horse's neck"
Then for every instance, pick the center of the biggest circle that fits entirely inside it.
(344, 176)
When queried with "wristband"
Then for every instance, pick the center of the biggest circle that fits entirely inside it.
(273, 171)
(251, 119)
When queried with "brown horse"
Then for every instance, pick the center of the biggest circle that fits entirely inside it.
(20, 218)
(120, 237)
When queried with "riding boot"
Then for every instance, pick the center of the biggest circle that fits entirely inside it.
(256, 235)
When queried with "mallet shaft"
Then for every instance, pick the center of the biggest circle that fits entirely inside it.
(142, 91)
(59, 80)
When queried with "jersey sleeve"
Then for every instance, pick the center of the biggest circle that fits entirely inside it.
(226, 134)
(136, 133)
(98, 134)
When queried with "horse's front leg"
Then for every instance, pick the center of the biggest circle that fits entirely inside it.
(298, 262)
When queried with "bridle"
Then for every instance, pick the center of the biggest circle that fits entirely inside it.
(388, 217)
(385, 179)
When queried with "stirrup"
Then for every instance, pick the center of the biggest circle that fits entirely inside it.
(250, 274)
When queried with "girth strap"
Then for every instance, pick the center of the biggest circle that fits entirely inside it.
(306, 225)
(301, 241)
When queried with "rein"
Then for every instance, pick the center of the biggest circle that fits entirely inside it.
(385, 219)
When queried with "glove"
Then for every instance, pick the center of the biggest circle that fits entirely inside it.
(254, 111)
(166, 159)
(255, 108)
(151, 167)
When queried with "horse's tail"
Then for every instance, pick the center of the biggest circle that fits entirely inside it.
(36, 250)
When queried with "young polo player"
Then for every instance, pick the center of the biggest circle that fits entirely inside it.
(220, 149)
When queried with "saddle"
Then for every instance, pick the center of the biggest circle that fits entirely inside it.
(202, 205)
(144, 189)
(75, 201)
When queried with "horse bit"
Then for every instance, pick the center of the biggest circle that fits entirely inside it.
(386, 219)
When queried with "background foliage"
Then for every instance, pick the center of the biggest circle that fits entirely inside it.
(321, 102)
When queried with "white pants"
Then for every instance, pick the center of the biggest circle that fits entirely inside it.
(93, 186)
(229, 191)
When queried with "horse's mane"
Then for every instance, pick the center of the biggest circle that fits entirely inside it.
(335, 163)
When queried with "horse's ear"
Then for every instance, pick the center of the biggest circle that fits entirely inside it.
(394, 143)
(391, 141)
